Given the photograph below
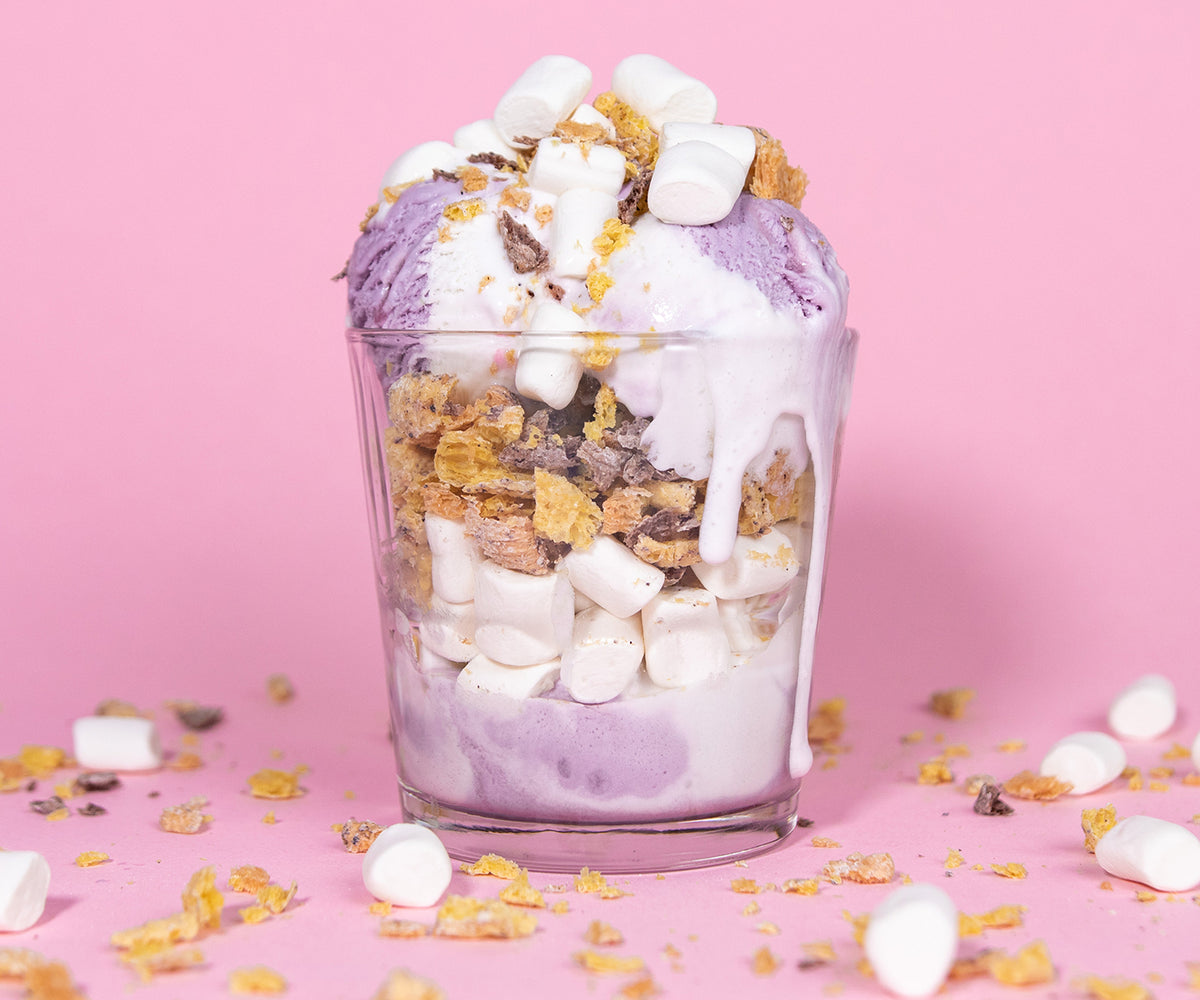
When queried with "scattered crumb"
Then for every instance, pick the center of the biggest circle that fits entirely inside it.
(827, 724)
(562, 906)
(952, 703)
(1043, 787)
(914, 737)
(380, 908)
(767, 927)
(271, 783)
(989, 803)
(254, 914)
(1159, 786)
(751, 909)
(1096, 823)
(764, 962)
(396, 927)
(1113, 989)
(1029, 966)
(976, 781)
(404, 985)
(464, 917)
(275, 897)
(867, 869)
(934, 772)
(1134, 776)
(520, 893)
(589, 881)
(1011, 746)
(269, 818)
(595, 961)
(1177, 752)
(185, 760)
(824, 842)
(256, 980)
(1106, 885)
(492, 864)
(1008, 915)
(801, 886)
(358, 835)
(89, 859)
(58, 814)
(744, 885)
(818, 952)
(1145, 896)
(186, 817)
(954, 859)
(640, 989)
(280, 689)
(600, 933)
(1012, 869)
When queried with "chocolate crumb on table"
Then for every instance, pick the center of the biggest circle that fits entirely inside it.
(989, 803)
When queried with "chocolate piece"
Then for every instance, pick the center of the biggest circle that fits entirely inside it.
(638, 470)
(556, 291)
(200, 716)
(445, 175)
(524, 251)
(634, 202)
(989, 803)
(629, 433)
(46, 806)
(97, 781)
(788, 223)
(91, 809)
(494, 160)
(603, 464)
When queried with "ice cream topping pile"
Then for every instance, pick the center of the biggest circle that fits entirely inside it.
(616, 482)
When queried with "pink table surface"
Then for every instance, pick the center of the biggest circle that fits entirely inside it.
(1012, 190)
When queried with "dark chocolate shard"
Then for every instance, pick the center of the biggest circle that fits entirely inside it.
(787, 222)
(97, 781)
(989, 803)
(91, 809)
(46, 806)
(629, 433)
(638, 470)
(604, 465)
(524, 252)
(445, 175)
(494, 160)
(556, 291)
(200, 716)
(634, 202)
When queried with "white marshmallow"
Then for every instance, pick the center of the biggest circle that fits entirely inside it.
(116, 743)
(418, 164)
(449, 629)
(757, 566)
(24, 882)
(485, 675)
(604, 656)
(549, 374)
(1087, 760)
(546, 93)
(455, 556)
(740, 629)
(579, 216)
(522, 619)
(428, 661)
(1161, 854)
(558, 166)
(1144, 710)
(694, 184)
(612, 576)
(407, 865)
(912, 939)
(585, 114)
(736, 140)
(482, 137)
(661, 92)
(685, 640)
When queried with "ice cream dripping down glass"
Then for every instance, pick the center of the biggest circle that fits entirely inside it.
(599, 560)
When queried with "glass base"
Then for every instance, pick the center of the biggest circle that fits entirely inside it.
(611, 848)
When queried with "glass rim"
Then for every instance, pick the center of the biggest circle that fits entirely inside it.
(370, 335)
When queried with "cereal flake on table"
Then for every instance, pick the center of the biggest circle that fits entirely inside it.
(954, 859)
(89, 859)
(867, 869)
(764, 962)
(519, 892)
(492, 864)
(742, 884)
(185, 760)
(1100, 988)
(827, 723)
(590, 881)
(51, 981)
(256, 980)
(188, 817)
(248, 879)
(595, 961)
(641, 988)
(935, 772)
(769, 928)
(951, 703)
(280, 689)
(404, 985)
(397, 927)
(357, 835)
(275, 897)
(1030, 966)
(751, 909)
(272, 783)
(1010, 869)
(466, 917)
(1004, 916)
(801, 886)
(1096, 823)
(824, 842)
(1040, 787)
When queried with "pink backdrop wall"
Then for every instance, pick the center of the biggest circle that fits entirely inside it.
(1012, 190)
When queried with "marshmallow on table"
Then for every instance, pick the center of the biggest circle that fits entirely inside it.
(522, 619)
(662, 92)
(558, 166)
(757, 566)
(684, 638)
(736, 140)
(407, 865)
(482, 137)
(549, 374)
(604, 656)
(1087, 760)
(1144, 710)
(579, 217)
(449, 629)
(1161, 854)
(116, 743)
(418, 164)
(911, 940)
(694, 184)
(24, 882)
(612, 576)
(454, 558)
(546, 93)
(485, 675)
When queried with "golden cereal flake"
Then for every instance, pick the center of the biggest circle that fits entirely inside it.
(1030, 966)
(89, 859)
(1027, 785)
(827, 724)
(1011, 746)
(1177, 752)
(671, 554)
(187, 817)
(638, 141)
(769, 928)
(397, 927)
(601, 352)
(516, 197)
(380, 908)
(641, 988)
(272, 783)
(51, 981)
(770, 175)
(595, 961)
(1011, 869)
(543, 214)
(600, 933)
(952, 703)
(247, 878)
(764, 962)
(275, 897)
(185, 760)
(358, 835)
(520, 893)
(58, 814)
(164, 931)
(465, 210)
(751, 909)
(41, 760)
(614, 234)
(1145, 896)
(914, 737)
(819, 951)
(935, 772)
(1008, 915)
(744, 885)
(561, 907)
(404, 985)
(254, 914)
(256, 980)
(1193, 975)
(824, 842)
(598, 283)
(473, 179)
(954, 859)
(563, 512)
(269, 818)
(613, 892)
(1096, 823)
(801, 886)
(604, 414)
(1188, 779)
(467, 458)
(464, 917)
(1159, 786)
(422, 407)
(1161, 772)
(493, 864)
(1113, 989)
(156, 959)
(202, 897)
(15, 963)
(589, 881)
(13, 775)
(1134, 776)
(869, 869)
(623, 508)
(280, 689)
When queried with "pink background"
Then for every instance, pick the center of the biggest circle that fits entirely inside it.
(1011, 188)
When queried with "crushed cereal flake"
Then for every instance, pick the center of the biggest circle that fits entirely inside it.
(492, 864)
(600, 933)
(89, 859)
(954, 859)
(1113, 989)
(868, 869)
(187, 817)
(935, 772)
(271, 783)
(185, 760)
(764, 962)
(589, 881)
(275, 897)
(1096, 823)
(254, 914)
(397, 927)
(51, 981)
(824, 842)
(248, 878)
(952, 703)
(751, 909)
(1145, 896)
(595, 961)
(744, 885)
(801, 886)
(520, 893)
(464, 917)
(404, 985)
(358, 835)
(1043, 787)
(202, 897)
(15, 963)
(1177, 752)
(827, 724)
(561, 907)
(161, 932)
(641, 988)
(914, 737)
(256, 980)
(770, 175)
(819, 952)
(380, 908)
(280, 689)
(1029, 966)
(1011, 746)
(767, 927)
(1012, 869)
(40, 761)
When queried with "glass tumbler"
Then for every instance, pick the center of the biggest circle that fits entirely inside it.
(599, 562)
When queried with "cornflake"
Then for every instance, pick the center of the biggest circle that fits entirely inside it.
(954, 859)
(271, 783)
(248, 878)
(868, 869)
(824, 842)
(764, 962)
(594, 961)
(801, 886)
(254, 914)
(520, 893)
(600, 933)
(280, 689)
(826, 724)
(744, 885)
(202, 898)
(1042, 787)
(818, 952)
(1096, 823)
(640, 989)
(589, 881)
(89, 859)
(256, 980)
(464, 917)
(1013, 869)
(404, 985)
(935, 772)
(185, 760)
(400, 928)
(751, 909)
(770, 175)
(952, 703)
(1008, 915)
(1029, 966)
(276, 898)
(493, 864)
(1113, 989)
(1011, 746)
(39, 760)
(186, 817)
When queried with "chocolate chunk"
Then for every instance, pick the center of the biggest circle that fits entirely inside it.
(634, 202)
(494, 160)
(91, 809)
(342, 273)
(200, 716)
(46, 806)
(97, 781)
(604, 465)
(663, 525)
(445, 175)
(524, 140)
(525, 253)
(638, 470)
(802, 822)
(788, 223)
(629, 432)
(556, 291)
(989, 803)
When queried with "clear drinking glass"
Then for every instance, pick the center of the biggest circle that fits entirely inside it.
(599, 562)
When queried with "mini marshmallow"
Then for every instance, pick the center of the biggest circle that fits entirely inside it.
(116, 743)
(454, 558)
(449, 629)
(1087, 760)
(684, 638)
(559, 166)
(418, 164)
(482, 137)
(1144, 710)
(612, 576)
(407, 865)
(1161, 854)
(736, 140)
(485, 675)
(522, 619)
(585, 114)
(579, 216)
(604, 656)
(549, 374)
(757, 566)
(546, 93)
(694, 184)
(661, 92)
(740, 630)
(428, 661)
(24, 882)
(911, 940)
